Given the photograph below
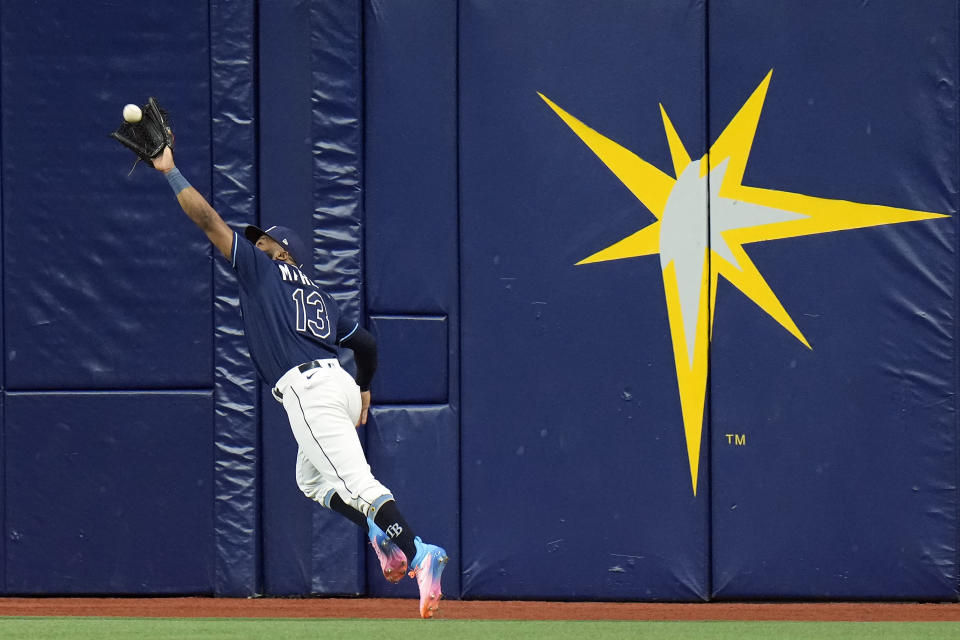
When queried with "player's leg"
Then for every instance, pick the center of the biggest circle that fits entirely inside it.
(323, 406)
(321, 420)
(393, 562)
(383, 511)
(333, 470)
(314, 486)
(427, 561)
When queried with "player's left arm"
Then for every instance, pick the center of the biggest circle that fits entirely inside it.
(364, 347)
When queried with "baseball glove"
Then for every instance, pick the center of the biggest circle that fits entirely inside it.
(148, 137)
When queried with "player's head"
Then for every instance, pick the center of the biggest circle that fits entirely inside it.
(280, 243)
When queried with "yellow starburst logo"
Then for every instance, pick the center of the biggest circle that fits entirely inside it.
(705, 216)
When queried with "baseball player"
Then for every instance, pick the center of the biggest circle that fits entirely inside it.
(294, 330)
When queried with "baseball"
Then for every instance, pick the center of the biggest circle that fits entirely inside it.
(132, 113)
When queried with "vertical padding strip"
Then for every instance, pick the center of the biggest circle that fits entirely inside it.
(234, 153)
(336, 44)
(337, 149)
(3, 349)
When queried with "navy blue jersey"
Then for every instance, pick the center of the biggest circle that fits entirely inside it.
(287, 318)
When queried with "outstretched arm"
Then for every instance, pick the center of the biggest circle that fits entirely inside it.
(195, 205)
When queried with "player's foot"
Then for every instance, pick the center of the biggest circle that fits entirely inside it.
(392, 561)
(427, 566)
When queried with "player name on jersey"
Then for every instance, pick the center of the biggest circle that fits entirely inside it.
(292, 274)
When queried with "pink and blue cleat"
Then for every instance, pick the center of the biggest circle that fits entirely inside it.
(392, 561)
(427, 566)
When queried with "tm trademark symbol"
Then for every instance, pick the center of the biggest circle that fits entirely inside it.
(737, 439)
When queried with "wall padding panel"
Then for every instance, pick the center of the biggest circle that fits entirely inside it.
(3, 359)
(109, 493)
(410, 181)
(336, 47)
(421, 438)
(121, 295)
(3, 351)
(3, 494)
(234, 152)
(310, 59)
(284, 145)
(412, 359)
(412, 264)
(308, 549)
(845, 484)
(576, 481)
(287, 199)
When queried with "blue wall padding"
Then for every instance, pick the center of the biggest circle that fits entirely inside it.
(307, 549)
(236, 437)
(285, 76)
(338, 554)
(447, 204)
(3, 359)
(3, 510)
(286, 513)
(413, 451)
(336, 38)
(575, 481)
(3, 493)
(846, 486)
(412, 356)
(412, 265)
(120, 264)
(301, 556)
(285, 114)
(3, 332)
(285, 198)
(109, 493)
(337, 133)
(410, 171)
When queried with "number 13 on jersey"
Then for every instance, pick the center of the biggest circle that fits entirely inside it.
(311, 304)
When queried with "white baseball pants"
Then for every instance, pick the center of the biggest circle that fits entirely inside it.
(323, 405)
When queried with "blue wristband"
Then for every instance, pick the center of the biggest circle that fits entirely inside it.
(177, 182)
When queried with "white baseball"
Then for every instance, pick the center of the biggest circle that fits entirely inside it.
(132, 113)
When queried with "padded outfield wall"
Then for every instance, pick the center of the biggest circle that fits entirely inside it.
(665, 293)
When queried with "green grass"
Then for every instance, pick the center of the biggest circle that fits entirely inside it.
(297, 629)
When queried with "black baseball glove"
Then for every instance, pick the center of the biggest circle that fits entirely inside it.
(148, 137)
